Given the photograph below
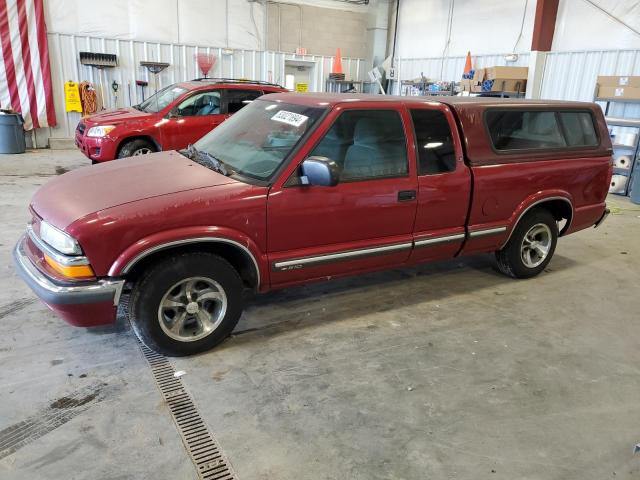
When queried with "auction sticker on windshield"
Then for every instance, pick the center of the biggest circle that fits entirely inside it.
(290, 118)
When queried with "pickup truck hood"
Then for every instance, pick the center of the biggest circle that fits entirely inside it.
(87, 190)
(116, 116)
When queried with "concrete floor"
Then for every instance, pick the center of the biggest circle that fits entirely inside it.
(446, 371)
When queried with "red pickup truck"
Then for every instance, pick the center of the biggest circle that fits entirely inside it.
(296, 188)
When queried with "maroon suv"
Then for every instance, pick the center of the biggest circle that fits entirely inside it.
(173, 118)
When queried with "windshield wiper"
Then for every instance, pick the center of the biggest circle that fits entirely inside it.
(207, 160)
(138, 107)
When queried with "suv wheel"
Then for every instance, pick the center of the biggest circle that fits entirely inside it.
(531, 245)
(137, 147)
(186, 304)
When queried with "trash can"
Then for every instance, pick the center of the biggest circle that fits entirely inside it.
(11, 133)
(634, 191)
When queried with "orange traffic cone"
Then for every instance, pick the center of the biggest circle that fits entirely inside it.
(337, 62)
(467, 64)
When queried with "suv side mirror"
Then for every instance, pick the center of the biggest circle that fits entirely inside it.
(319, 171)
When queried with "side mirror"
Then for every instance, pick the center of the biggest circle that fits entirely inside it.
(319, 171)
(172, 114)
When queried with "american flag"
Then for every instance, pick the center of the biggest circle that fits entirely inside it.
(25, 76)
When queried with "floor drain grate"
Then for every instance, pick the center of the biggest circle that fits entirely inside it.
(210, 462)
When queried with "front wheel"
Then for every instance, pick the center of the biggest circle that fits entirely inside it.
(186, 304)
(133, 148)
(531, 245)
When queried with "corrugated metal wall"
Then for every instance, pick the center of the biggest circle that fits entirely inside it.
(567, 75)
(572, 76)
(249, 64)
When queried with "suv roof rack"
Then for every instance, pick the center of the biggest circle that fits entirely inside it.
(234, 80)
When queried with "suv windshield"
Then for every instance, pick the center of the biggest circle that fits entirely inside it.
(160, 100)
(257, 139)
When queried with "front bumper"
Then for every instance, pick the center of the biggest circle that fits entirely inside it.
(99, 149)
(84, 304)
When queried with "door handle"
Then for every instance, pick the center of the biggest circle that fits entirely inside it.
(406, 195)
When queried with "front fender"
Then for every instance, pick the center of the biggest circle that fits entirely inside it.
(186, 236)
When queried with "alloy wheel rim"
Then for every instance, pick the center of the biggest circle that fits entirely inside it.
(192, 309)
(142, 151)
(536, 245)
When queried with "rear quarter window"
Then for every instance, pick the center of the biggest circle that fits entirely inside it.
(540, 130)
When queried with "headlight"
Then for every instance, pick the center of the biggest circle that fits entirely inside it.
(59, 240)
(100, 131)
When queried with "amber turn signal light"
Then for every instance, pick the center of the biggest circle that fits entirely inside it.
(70, 271)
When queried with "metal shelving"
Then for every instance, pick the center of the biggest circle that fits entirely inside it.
(346, 86)
(630, 149)
(423, 88)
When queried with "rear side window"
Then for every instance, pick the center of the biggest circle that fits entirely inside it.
(435, 145)
(236, 99)
(578, 129)
(540, 130)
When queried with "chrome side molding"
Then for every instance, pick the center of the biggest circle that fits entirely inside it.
(427, 242)
(298, 263)
(487, 232)
(302, 262)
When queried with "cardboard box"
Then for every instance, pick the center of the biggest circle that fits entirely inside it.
(466, 84)
(507, 73)
(629, 93)
(618, 81)
(508, 85)
(479, 75)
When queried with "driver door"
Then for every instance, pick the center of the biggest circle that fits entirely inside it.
(194, 117)
(363, 223)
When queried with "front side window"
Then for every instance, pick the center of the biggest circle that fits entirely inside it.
(162, 99)
(540, 130)
(256, 141)
(201, 104)
(237, 99)
(366, 144)
(434, 141)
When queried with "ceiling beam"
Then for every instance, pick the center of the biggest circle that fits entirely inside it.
(544, 25)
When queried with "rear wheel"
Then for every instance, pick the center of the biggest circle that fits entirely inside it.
(186, 304)
(531, 246)
(136, 147)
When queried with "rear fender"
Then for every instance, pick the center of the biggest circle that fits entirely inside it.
(539, 199)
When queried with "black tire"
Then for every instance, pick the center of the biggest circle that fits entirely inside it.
(151, 288)
(136, 147)
(510, 258)
(94, 162)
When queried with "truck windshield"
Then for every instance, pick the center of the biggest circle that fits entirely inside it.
(257, 139)
(160, 100)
